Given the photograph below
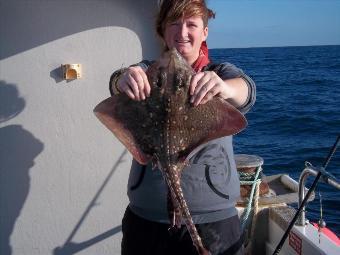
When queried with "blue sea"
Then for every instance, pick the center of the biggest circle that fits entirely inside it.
(296, 117)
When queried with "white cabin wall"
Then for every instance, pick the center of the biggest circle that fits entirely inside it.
(62, 186)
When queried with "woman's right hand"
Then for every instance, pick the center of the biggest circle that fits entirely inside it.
(134, 83)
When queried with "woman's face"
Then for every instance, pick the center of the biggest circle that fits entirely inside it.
(186, 35)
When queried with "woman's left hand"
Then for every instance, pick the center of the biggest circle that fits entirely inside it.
(205, 85)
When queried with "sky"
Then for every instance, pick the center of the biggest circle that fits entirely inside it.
(267, 23)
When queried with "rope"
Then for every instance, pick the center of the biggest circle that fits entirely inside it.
(250, 179)
(253, 180)
(256, 207)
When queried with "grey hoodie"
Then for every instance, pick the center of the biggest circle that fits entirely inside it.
(210, 182)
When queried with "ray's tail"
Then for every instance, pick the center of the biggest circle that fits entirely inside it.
(172, 177)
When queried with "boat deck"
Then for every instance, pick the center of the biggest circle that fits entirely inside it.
(273, 217)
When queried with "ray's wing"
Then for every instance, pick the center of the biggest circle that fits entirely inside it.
(126, 119)
(203, 123)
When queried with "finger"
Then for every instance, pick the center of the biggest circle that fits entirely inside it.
(125, 87)
(210, 95)
(127, 90)
(202, 92)
(193, 83)
(147, 87)
(133, 86)
(204, 80)
(130, 94)
(140, 83)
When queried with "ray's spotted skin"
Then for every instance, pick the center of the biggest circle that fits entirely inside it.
(166, 128)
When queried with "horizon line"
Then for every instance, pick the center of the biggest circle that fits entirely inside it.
(250, 47)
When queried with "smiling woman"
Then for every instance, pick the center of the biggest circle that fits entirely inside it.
(186, 35)
(183, 28)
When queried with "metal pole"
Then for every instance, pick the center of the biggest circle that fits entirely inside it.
(284, 237)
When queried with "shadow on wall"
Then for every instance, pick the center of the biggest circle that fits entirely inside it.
(11, 104)
(58, 19)
(73, 248)
(14, 173)
(70, 247)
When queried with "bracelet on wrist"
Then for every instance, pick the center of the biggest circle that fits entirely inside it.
(114, 83)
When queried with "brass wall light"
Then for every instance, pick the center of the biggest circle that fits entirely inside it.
(71, 71)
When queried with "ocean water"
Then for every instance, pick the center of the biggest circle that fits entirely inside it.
(296, 117)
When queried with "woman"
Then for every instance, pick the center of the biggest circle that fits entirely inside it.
(183, 25)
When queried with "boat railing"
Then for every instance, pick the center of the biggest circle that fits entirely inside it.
(325, 178)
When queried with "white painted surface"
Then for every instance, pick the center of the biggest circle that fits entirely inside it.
(62, 190)
(311, 242)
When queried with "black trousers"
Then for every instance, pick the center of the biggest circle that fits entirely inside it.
(141, 236)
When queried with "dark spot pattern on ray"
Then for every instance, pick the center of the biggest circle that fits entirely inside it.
(166, 127)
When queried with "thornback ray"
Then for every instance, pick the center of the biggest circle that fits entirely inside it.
(166, 127)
